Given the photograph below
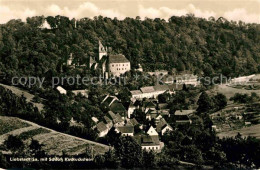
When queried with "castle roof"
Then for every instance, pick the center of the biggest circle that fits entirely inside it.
(118, 58)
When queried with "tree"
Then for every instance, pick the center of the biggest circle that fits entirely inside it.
(14, 144)
(220, 101)
(204, 103)
(111, 160)
(149, 160)
(129, 152)
(36, 149)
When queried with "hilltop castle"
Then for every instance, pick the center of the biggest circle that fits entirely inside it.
(110, 64)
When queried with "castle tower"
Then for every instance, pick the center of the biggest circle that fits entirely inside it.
(102, 51)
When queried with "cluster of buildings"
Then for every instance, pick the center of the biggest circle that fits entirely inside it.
(109, 64)
(151, 91)
(120, 118)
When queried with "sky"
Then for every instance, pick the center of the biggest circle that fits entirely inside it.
(244, 10)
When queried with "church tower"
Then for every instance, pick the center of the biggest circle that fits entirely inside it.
(102, 51)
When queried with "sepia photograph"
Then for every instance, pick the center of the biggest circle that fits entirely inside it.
(130, 84)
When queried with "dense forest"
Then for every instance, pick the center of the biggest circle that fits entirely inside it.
(205, 47)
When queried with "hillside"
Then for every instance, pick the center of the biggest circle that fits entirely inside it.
(19, 92)
(54, 142)
(184, 43)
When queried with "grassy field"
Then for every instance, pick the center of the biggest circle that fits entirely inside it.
(253, 130)
(230, 91)
(10, 124)
(31, 133)
(54, 142)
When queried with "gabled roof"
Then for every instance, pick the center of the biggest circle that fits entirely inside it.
(161, 125)
(126, 129)
(112, 115)
(117, 107)
(147, 89)
(147, 140)
(182, 117)
(115, 117)
(101, 126)
(183, 112)
(161, 87)
(152, 130)
(135, 92)
(94, 119)
(107, 119)
(119, 58)
(134, 121)
(61, 90)
(108, 100)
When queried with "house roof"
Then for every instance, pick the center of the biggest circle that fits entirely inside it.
(112, 115)
(182, 117)
(183, 112)
(115, 117)
(126, 129)
(119, 58)
(162, 124)
(147, 89)
(117, 107)
(94, 119)
(108, 100)
(147, 140)
(101, 126)
(60, 89)
(135, 92)
(134, 121)
(161, 87)
(107, 119)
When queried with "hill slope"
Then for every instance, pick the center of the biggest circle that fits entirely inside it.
(54, 142)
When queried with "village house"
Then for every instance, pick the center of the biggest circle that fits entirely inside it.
(162, 127)
(102, 129)
(149, 92)
(182, 116)
(151, 143)
(131, 109)
(116, 118)
(151, 131)
(126, 130)
(188, 79)
(61, 90)
(114, 105)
